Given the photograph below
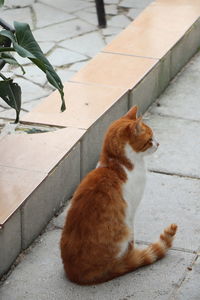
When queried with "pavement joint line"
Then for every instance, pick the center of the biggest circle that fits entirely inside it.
(174, 174)
(70, 13)
(125, 54)
(174, 117)
(182, 279)
(33, 17)
(180, 249)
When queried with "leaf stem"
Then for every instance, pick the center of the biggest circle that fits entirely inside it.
(6, 49)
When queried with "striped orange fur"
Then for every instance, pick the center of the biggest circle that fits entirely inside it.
(97, 241)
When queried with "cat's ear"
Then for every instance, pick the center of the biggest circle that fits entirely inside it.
(132, 113)
(138, 126)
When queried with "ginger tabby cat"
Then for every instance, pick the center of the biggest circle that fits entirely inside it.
(97, 240)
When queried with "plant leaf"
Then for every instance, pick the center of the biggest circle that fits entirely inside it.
(1, 3)
(26, 46)
(8, 34)
(9, 58)
(10, 92)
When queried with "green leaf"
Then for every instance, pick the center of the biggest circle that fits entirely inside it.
(9, 58)
(8, 34)
(1, 3)
(26, 46)
(10, 92)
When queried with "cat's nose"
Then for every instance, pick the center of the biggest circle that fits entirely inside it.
(157, 144)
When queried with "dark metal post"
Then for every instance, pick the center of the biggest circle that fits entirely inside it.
(101, 13)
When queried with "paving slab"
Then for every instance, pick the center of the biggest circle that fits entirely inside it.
(170, 199)
(119, 21)
(27, 86)
(33, 73)
(89, 17)
(181, 98)
(135, 3)
(46, 15)
(20, 15)
(60, 57)
(111, 9)
(62, 31)
(68, 5)
(111, 1)
(178, 152)
(82, 44)
(40, 276)
(65, 74)
(134, 12)
(190, 289)
(18, 3)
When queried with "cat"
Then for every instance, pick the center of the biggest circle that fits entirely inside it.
(97, 242)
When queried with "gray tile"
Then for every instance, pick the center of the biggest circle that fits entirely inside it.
(62, 31)
(135, 3)
(111, 9)
(111, 1)
(46, 15)
(82, 44)
(60, 57)
(27, 86)
(49, 196)
(18, 3)
(10, 242)
(189, 289)
(65, 74)
(167, 200)
(134, 12)
(119, 21)
(89, 17)
(94, 135)
(40, 276)
(33, 73)
(20, 15)
(178, 152)
(68, 5)
(181, 98)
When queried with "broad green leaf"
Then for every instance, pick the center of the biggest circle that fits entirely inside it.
(1, 3)
(9, 58)
(26, 46)
(10, 92)
(8, 34)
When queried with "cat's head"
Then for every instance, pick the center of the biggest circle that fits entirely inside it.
(140, 135)
(129, 130)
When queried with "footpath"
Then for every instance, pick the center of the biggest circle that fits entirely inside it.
(171, 195)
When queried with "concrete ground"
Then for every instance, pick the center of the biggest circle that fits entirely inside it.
(172, 195)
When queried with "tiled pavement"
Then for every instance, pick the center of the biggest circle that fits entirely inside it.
(68, 33)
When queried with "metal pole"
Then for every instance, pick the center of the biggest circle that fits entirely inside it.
(100, 13)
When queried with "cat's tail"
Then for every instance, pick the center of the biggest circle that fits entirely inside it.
(136, 258)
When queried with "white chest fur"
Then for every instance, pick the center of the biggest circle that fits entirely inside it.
(134, 186)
